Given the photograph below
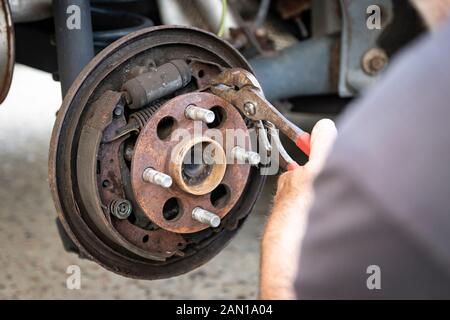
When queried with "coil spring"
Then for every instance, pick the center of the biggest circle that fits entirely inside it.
(144, 115)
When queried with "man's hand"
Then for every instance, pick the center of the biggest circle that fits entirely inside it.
(293, 184)
(285, 228)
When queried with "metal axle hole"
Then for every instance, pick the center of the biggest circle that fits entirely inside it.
(171, 209)
(220, 117)
(220, 196)
(194, 168)
(165, 127)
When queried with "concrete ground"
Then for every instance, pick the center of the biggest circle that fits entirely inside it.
(33, 262)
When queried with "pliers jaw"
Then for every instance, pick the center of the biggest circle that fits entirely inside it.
(240, 88)
(236, 78)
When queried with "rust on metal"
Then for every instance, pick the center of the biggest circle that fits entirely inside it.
(214, 172)
(374, 60)
(150, 150)
(241, 88)
(162, 242)
(7, 49)
(292, 8)
(85, 137)
(204, 72)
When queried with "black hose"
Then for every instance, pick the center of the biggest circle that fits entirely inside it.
(122, 23)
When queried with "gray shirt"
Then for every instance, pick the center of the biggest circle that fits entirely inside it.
(383, 198)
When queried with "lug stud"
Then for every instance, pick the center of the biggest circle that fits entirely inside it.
(196, 113)
(243, 156)
(156, 177)
(206, 217)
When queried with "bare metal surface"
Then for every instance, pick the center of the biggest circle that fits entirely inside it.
(7, 53)
(196, 113)
(156, 177)
(243, 156)
(32, 259)
(206, 217)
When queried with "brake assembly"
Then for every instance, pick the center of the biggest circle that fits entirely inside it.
(125, 190)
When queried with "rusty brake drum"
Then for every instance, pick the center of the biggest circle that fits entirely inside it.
(7, 51)
(122, 190)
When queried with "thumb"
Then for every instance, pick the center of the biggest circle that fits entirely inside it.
(323, 136)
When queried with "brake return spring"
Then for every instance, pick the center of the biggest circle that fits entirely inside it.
(137, 120)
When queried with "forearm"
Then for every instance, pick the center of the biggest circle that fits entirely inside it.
(286, 225)
(281, 244)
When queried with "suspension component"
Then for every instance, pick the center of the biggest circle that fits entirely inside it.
(74, 49)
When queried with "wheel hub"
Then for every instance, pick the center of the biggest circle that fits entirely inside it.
(193, 183)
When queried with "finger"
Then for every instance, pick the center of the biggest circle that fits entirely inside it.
(282, 180)
(303, 141)
(292, 166)
(323, 136)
